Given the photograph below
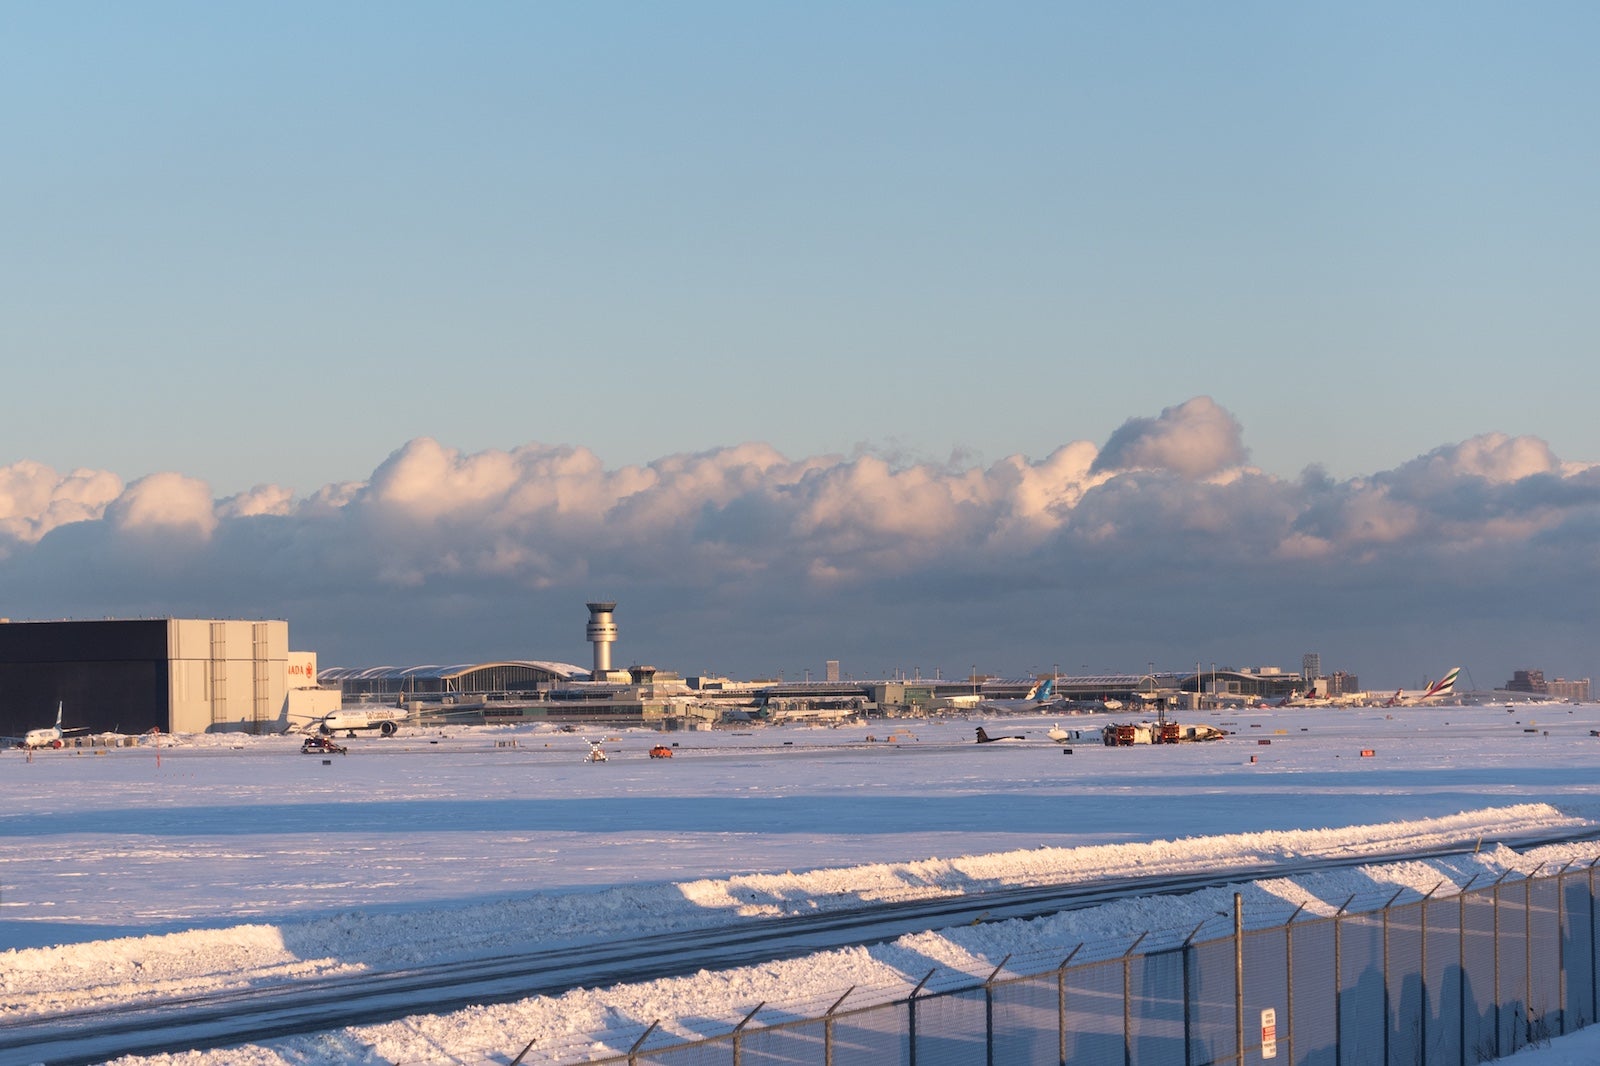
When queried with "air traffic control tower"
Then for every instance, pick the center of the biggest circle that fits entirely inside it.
(602, 634)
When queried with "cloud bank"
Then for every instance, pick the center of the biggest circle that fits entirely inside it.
(1163, 545)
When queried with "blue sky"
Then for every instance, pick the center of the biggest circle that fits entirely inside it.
(271, 242)
(270, 245)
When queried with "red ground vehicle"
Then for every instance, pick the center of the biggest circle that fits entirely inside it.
(661, 751)
(320, 745)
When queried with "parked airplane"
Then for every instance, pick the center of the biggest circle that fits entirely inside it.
(49, 736)
(386, 720)
(1041, 695)
(1297, 699)
(1436, 691)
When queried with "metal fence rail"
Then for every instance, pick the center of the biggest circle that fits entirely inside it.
(1450, 980)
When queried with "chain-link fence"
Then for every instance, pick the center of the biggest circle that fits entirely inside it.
(1457, 979)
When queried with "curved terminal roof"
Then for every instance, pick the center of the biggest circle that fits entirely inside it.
(461, 677)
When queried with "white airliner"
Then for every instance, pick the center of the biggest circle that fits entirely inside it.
(1038, 697)
(1436, 691)
(386, 720)
(49, 736)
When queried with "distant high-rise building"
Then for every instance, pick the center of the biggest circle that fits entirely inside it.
(1527, 681)
(1343, 684)
(832, 671)
(1562, 689)
(1311, 666)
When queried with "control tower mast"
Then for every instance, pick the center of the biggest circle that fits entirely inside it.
(602, 634)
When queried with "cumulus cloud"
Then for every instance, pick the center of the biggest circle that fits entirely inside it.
(260, 500)
(1160, 544)
(1494, 457)
(1195, 439)
(34, 499)
(165, 504)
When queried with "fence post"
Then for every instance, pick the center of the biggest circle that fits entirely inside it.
(738, 1034)
(1461, 960)
(1499, 1051)
(1288, 968)
(911, 1014)
(1388, 1001)
(1127, 999)
(1461, 956)
(1338, 981)
(1238, 975)
(633, 1052)
(1061, 1005)
(1383, 964)
(988, 1011)
(1188, 995)
(1561, 942)
(1527, 952)
(524, 1052)
(827, 1028)
(1594, 956)
(1423, 1034)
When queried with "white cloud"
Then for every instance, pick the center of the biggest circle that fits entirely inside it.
(1195, 439)
(444, 550)
(260, 500)
(165, 504)
(1494, 457)
(34, 499)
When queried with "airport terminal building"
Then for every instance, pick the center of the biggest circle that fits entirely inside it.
(172, 674)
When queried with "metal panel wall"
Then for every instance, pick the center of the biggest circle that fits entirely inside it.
(243, 670)
(107, 676)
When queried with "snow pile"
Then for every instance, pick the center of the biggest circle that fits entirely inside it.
(129, 969)
(774, 895)
(588, 1022)
(42, 980)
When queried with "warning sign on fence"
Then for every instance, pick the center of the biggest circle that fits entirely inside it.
(1269, 1033)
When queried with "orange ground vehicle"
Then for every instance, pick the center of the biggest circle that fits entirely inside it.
(661, 751)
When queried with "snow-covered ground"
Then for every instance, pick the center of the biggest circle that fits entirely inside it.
(223, 862)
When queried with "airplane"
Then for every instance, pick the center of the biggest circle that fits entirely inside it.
(386, 720)
(1040, 695)
(985, 738)
(1299, 699)
(1072, 736)
(49, 736)
(1056, 735)
(1439, 690)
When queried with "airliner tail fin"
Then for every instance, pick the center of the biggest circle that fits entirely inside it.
(1444, 686)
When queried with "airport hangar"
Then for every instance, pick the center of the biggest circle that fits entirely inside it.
(176, 675)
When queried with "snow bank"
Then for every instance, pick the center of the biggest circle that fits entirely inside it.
(43, 980)
(587, 1022)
